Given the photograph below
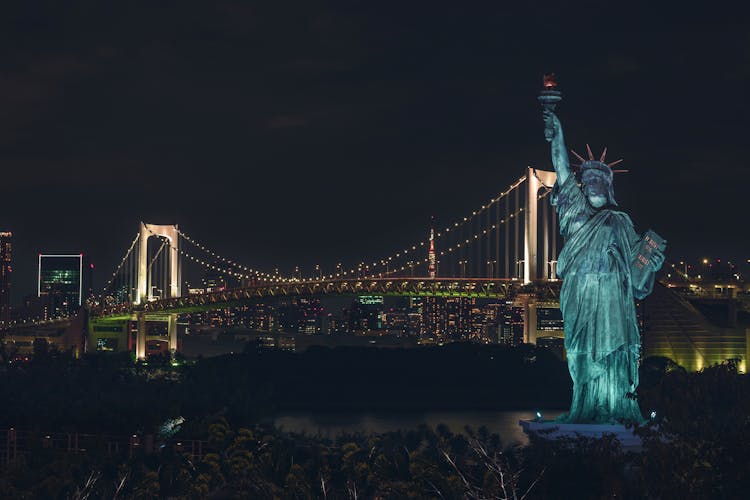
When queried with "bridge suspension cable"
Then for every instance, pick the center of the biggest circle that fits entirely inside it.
(465, 243)
(213, 267)
(225, 260)
(475, 249)
(122, 262)
(234, 272)
(439, 234)
(123, 275)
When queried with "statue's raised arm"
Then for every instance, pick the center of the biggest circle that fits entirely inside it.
(554, 135)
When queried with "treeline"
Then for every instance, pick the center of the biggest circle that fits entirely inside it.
(109, 393)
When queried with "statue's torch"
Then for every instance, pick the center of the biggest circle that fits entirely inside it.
(549, 97)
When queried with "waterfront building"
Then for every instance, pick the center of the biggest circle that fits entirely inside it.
(676, 328)
(62, 283)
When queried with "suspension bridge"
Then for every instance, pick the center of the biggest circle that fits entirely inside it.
(508, 243)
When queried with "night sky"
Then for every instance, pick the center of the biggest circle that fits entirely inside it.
(307, 132)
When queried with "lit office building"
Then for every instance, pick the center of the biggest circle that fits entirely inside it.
(61, 284)
(433, 317)
(510, 331)
(311, 316)
(458, 317)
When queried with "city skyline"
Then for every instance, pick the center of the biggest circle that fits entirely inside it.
(343, 133)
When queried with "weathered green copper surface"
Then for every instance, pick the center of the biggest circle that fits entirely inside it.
(602, 277)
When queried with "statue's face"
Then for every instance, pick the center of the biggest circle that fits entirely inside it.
(595, 187)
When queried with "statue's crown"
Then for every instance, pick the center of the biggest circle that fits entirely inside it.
(593, 164)
(598, 166)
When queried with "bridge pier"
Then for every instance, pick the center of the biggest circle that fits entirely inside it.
(108, 334)
(172, 332)
(142, 336)
(530, 322)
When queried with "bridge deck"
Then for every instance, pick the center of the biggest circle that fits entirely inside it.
(490, 288)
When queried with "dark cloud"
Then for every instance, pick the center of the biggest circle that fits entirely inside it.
(286, 121)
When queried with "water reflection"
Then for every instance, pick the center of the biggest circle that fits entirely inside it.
(503, 423)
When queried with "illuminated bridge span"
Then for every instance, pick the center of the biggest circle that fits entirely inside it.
(398, 287)
(511, 237)
(506, 243)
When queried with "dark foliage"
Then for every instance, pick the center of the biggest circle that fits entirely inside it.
(108, 393)
(697, 445)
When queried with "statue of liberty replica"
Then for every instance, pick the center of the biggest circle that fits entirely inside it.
(605, 265)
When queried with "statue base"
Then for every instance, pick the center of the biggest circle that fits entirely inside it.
(549, 429)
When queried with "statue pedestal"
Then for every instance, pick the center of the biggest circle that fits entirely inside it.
(554, 430)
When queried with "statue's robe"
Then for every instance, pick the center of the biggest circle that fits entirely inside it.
(602, 338)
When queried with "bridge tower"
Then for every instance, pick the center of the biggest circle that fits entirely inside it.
(175, 265)
(536, 179)
(431, 257)
(145, 294)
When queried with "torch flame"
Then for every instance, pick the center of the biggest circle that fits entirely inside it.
(550, 81)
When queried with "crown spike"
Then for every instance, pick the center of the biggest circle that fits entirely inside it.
(615, 163)
(591, 155)
(578, 156)
(604, 154)
(620, 171)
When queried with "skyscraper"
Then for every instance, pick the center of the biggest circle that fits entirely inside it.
(5, 274)
(61, 284)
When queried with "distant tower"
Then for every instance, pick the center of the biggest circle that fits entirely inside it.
(5, 274)
(432, 263)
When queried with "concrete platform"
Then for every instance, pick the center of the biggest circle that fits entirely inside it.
(553, 430)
